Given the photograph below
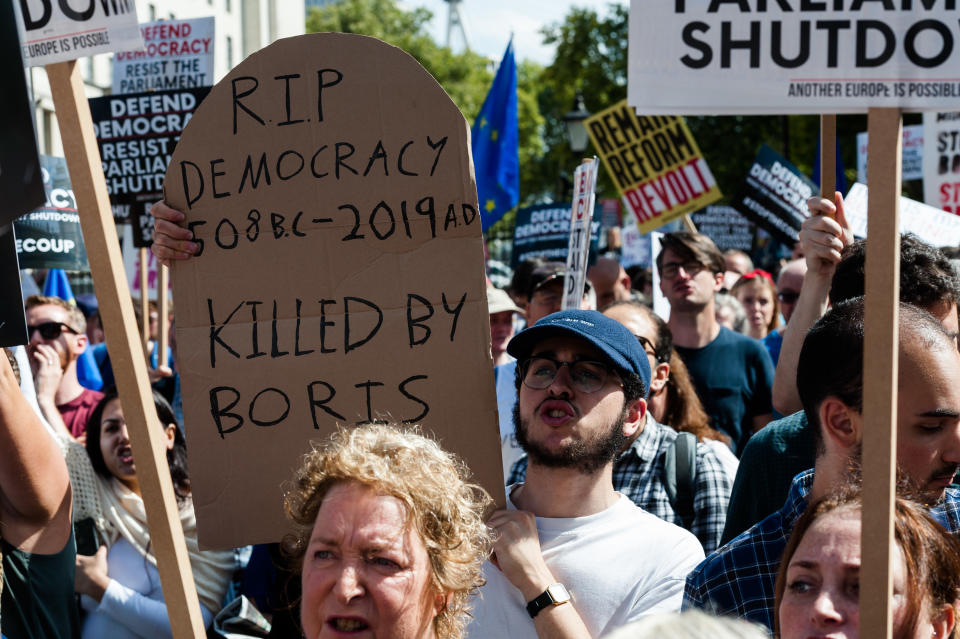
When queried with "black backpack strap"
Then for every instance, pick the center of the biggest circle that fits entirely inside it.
(680, 475)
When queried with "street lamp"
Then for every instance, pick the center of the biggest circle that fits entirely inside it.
(576, 130)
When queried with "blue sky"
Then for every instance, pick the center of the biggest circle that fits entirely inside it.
(489, 23)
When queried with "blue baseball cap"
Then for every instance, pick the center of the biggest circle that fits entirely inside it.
(610, 337)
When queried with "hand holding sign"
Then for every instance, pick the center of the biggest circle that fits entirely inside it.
(170, 240)
(824, 235)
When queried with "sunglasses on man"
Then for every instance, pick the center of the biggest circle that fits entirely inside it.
(49, 330)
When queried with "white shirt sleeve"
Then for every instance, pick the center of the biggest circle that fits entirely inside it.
(143, 616)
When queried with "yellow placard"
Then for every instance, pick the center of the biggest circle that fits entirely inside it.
(654, 162)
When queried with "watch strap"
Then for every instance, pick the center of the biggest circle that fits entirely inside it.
(546, 599)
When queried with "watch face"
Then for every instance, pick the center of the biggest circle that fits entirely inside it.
(558, 593)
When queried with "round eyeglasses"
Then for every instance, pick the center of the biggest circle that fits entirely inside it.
(585, 376)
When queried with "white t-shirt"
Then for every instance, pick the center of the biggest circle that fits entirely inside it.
(619, 564)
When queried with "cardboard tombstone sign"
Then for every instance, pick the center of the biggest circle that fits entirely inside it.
(328, 179)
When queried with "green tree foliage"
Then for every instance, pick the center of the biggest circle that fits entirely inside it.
(465, 76)
(591, 55)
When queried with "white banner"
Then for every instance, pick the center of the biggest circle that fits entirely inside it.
(941, 160)
(690, 57)
(177, 54)
(929, 224)
(912, 154)
(581, 215)
(57, 30)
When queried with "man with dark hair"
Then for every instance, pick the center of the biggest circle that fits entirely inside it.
(733, 373)
(57, 333)
(581, 382)
(739, 578)
(641, 471)
(786, 447)
(544, 295)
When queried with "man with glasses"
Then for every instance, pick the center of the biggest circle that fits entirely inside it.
(733, 373)
(581, 386)
(641, 471)
(57, 333)
(544, 296)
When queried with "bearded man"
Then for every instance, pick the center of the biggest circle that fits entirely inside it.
(581, 383)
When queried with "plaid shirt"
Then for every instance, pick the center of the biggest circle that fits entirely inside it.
(638, 474)
(738, 580)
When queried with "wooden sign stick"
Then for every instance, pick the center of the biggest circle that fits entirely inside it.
(688, 223)
(163, 277)
(116, 312)
(828, 156)
(144, 302)
(880, 352)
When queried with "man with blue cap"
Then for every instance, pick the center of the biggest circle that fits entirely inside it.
(573, 557)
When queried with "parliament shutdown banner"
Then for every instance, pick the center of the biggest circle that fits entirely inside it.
(793, 56)
(655, 164)
(774, 196)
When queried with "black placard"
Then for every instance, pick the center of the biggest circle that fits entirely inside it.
(544, 231)
(21, 188)
(137, 134)
(774, 196)
(13, 324)
(50, 235)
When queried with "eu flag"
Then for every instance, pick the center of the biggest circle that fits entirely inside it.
(495, 145)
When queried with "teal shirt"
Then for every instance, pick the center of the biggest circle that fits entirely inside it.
(38, 598)
(770, 460)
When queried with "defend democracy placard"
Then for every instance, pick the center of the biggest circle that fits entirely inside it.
(137, 135)
(544, 231)
(792, 56)
(341, 278)
(654, 162)
(57, 30)
(177, 54)
(774, 195)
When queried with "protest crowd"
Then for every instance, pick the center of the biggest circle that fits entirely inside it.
(681, 438)
(651, 468)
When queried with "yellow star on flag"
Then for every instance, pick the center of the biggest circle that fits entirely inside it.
(493, 135)
(490, 205)
(483, 122)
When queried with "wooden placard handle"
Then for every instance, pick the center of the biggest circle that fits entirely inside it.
(144, 302)
(880, 350)
(828, 156)
(163, 277)
(120, 327)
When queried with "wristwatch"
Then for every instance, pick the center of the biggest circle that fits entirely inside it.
(554, 595)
